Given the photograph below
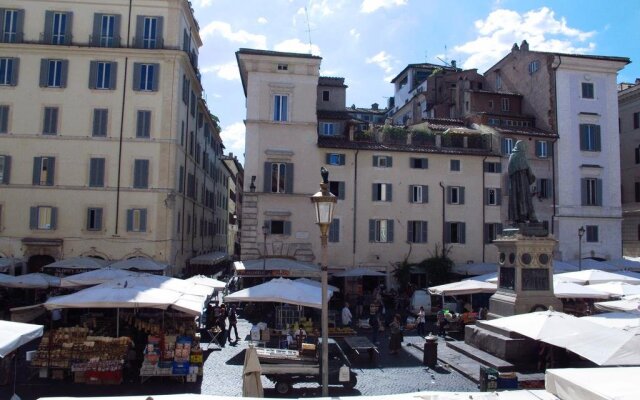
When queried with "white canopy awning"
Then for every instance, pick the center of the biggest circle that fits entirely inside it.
(619, 320)
(491, 277)
(591, 276)
(95, 277)
(276, 267)
(36, 280)
(571, 290)
(626, 305)
(589, 263)
(6, 264)
(317, 284)
(280, 290)
(355, 272)
(593, 383)
(206, 281)
(78, 263)
(617, 289)
(15, 334)
(209, 258)
(141, 264)
(463, 287)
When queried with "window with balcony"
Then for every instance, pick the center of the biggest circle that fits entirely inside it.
(12, 22)
(57, 27)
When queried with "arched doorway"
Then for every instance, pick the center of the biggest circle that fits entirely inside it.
(36, 262)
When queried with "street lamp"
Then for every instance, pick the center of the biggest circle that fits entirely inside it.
(581, 231)
(265, 230)
(324, 202)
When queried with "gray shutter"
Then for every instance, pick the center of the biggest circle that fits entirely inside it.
(113, 75)
(424, 234)
(156, 76)
(583, 189)
(64, 74)
(51, 170)
(389, 188)
(37, 166)
(389, 161)
(342, 159)
(96, 122)
(2, 10)
(447, 232)
(159, 33)
(334, 232)
(375, 195)
(599, 192)
(139, 31)
(136, 76)
(267, 177)
(486, 196)
(143, 220)
(140, 124)
(15, 71)
(327, 158)
(4, 119)
(104, 117)
(462, 234)
(48, 26)
(341, 190)
(499, 167)
(425, 193)
(487, 228)
(129, 220)
(504, 146)
(538, 145)
(372, 230)
(549, 188)
(93, 72)
(145, 173)
(461, 195)
(598, 142)
(448, 194)
(6, 174)
(389, 231)
(550, 148)
(410, 193)
(410, 231)
(20, 27)
(68, 28)
(44, 72)
(185, 40)
(97, 26)
(289, 178)
(498, 197)
(375, 161)
(499, 231)
(287, 227)
(54, 217)
(33, 218)
(116, 31)
(583, 137)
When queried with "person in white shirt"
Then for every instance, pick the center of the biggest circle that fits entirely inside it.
(346, 315)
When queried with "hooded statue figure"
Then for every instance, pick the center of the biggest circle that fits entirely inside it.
(520, 180)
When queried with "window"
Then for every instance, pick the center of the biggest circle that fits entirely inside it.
(11, 22)
(455, 195)
(137, 220)
(181, 180)
(637, 191)
(491, 108)
(492, 197)
(636, 120)
(102, 75)
(145, 77)
(50, 121)
(544, 188)
(592, 233)
(278, 227)
(43, 171)
(43, 218)
(325, 95)
(587, 90)
(186, 87)
(534, 66)
(455, 232)
(57, 27)
(278, 177)
(141, 174)
(334, 231)
(192, 106)
(493, 167)
(4, 119)
(381, 192)
(335, 159)
(5, 169)
(283, 67)
(418, 194)
(94, 219)
(491, 232)
(149, 32)
(96, 172)
(419, 163)
(53, 73)
(454, 165)
(590, 137)
(382, 161)
(9, 71)
(381, 230)
(542, 149)
(498, 82)
(328, 128)
(100, 122)
(143, 124)
(417, 231)
(507, 146)
(280, 107)
(505, 104)
(591, 192)
(106, 29)
(337, 188)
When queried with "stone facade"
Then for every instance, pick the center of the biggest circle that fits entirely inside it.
(629, 104)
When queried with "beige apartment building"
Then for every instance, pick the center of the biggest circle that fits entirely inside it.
(106, 146)
(629, 122)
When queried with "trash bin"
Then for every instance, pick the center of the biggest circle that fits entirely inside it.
(430, 351)
(488, 379)
(507, 380)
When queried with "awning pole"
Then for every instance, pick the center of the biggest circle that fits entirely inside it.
(117, 322)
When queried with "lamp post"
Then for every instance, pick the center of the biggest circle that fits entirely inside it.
(265, 230)
(581, 231)
(324, 202)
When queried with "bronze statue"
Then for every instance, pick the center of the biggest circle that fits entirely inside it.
(325, 175)
(520, 180)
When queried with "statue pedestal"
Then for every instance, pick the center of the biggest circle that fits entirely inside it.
(525, 275)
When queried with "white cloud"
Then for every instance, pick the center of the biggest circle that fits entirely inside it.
(353, 32)
(228, 71)
(262, 20)
(296, 46)
(203, 3)
(241, 36)
(369, 6)
(502, 28)
(382, 60)
(233, 139)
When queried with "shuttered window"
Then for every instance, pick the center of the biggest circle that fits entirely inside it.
(106, 30)
(455, 194)
(4, 119)
(96, 172)
(141, 174)
(53, 73)
(43, 218)
(137, 220)
(455, 232)
(9, 68)
(417, 231)
(591, 189)
(334, 231)
(50, 121)
(337, 188)
(418, 194)
(102, 75)
(491, 232)
(590, 137)
(43, 171)
(492, 197)
(381, 230)
(100, 122)
(149, 32)
(12, 23)
(5, 169)
(57, 27)
(382, 192)
(146, 77)
(143, 124)
(94, 219)
(278, 177)
(335, 159)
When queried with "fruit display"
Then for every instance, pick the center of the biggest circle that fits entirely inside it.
(345, 331)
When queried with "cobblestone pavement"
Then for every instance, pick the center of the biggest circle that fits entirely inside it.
(391, 374)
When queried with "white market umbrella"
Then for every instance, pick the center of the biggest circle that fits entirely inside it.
(15, 334)
(589, 263)
(626, 305)
(112, 297)
(162, 282)
(7, 263)
(251, 371)
(6, 280)
(562, 266)
(592, 276)
(355, 272)
(35, 280)
(280, 290)
(617, 289)
(619, 320)
(78, 263)
(490, 277)
(95, 277)
(463, 287)
(317, 284)
(625, 263)
(206, 281)
(140, 263)
(571, 290)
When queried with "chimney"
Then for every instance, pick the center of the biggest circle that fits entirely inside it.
(453, 63)
(524, 46)
(515, 47)
(374, 106)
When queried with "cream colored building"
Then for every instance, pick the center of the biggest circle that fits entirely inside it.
(629, 108)
(107, 148)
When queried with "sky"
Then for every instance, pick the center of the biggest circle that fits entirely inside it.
(368, 42)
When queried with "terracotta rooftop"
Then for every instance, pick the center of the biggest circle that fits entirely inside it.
(517, 130)
(341, 143)
(330, 114)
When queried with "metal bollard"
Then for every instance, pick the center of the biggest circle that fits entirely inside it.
(430, 351)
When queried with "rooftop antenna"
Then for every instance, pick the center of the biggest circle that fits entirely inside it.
(306, 14)
(444, 61)
(426, 56)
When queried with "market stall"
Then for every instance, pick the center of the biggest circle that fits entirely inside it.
(74, 265)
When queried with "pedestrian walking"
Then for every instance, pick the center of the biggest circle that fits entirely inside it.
(222, 324)
(233, 322)
(395, 338)
(374, 322)
(421, 321)
(441, 320)
(346, 315)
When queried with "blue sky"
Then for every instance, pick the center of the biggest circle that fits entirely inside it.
(368, 42)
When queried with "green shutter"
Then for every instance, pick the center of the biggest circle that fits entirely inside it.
(33, 218)
(6, 173)
(143, 220)
(37, 167)
(462, 235)
(372, 230)
(389, 231)
(289, 178)
(51, 170)
(461, 195)
(410, 231)
(48, 26)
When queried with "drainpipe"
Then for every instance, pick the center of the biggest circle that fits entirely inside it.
(555, 81)
(553, 177)
(443, 214)
(355, 208)
(483, 207)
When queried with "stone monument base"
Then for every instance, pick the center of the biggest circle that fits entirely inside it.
(508, 346)
(505, 304)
